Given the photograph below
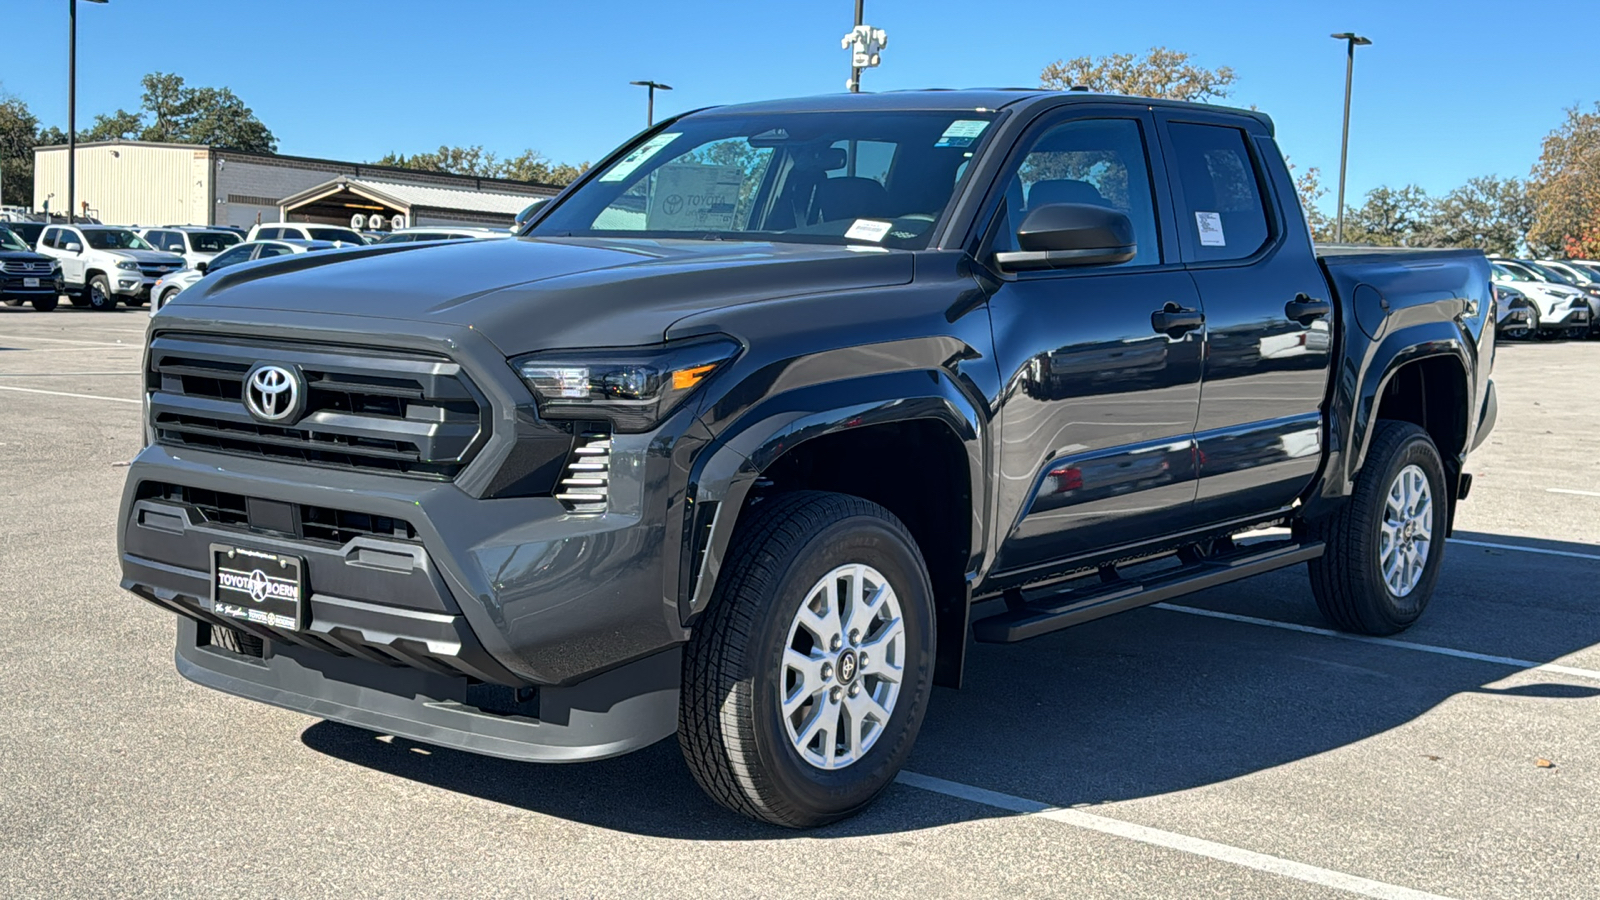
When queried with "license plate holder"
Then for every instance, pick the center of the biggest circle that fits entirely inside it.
(259, 586)
(30, 282)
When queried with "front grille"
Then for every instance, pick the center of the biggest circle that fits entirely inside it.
(310, 523)
(26, 267)
(585, 483)
(156, 271)
(407, 414)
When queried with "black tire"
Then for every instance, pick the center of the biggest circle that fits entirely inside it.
(1347, 580)
(98, 294)
(79, 299)
(730, 726)
(46, 304)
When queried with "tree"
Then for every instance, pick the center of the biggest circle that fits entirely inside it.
(1565, 187)
(1163, 73)
(19, 129)
(530, 165)
(1390, 217)
(174, 113)
(118, 126)
(1489, 213)
(1308, 185)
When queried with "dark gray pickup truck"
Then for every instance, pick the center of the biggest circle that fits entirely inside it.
(759, 423)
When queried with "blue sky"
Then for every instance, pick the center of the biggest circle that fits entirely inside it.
(1448, 90)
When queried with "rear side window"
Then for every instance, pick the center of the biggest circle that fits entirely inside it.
(1223, 216)
(272, 250)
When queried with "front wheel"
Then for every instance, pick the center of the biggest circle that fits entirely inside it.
(99, 295)
(805, 682)
(46, 304)
(1385, 544)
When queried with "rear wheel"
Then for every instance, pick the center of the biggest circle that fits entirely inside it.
(1385, 545)
(99, 294)
(805, 682)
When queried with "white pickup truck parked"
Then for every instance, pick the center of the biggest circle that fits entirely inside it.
(102, 264)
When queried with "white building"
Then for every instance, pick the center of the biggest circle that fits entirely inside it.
(142, 183)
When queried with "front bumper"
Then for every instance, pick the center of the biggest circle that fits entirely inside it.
(1561, 317)
(615, 713)
(16, 286)
(133, 284)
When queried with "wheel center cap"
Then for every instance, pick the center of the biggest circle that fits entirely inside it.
(847, 667)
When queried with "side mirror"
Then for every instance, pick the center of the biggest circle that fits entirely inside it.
(202, 266)
(73, 247)
(1059, 235)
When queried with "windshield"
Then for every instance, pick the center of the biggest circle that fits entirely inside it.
(1546, 273)
(335, 234)
(212, 241)
(9, 241)
(1512, 272)
(1574, 274)
(876, 178)
(114, 239)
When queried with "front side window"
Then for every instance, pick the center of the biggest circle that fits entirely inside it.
(234, 255)
(273, 250)
(115, 239)
(880, 178)
(52, 238)
(1221, 214)
(269, 234)
(1100, 162)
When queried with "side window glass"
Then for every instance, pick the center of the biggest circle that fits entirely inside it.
(1101, 162)
(49, 239)
(228, 258)
(272, 250)
(269, 233)
(1221, 204)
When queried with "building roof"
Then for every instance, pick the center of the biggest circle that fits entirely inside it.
(358, 170)
(410, 196)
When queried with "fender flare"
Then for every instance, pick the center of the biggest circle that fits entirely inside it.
(728, 467)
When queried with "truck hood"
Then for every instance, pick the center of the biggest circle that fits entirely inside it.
(152, 257)
(537, 293)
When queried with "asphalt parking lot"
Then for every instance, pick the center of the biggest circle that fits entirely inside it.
(1221, 746)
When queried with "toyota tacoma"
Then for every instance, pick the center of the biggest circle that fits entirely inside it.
(753, 429)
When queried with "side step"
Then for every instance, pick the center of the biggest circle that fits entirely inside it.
(1114, 594)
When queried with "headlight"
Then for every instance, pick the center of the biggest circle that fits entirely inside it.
(634, 387)
(128, 264)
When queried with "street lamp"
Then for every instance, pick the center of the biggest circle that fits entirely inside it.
(72, 103)
(653, 86)
(1352, 41)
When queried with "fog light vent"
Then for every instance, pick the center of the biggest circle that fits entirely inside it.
(583, 486)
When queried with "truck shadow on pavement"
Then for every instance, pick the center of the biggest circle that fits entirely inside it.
(1136, 705)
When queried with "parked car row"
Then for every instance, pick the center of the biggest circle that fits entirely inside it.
(99, 266)
(1546, 298)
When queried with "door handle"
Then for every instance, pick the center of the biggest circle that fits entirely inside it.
(1305, 310)
(1174, 321)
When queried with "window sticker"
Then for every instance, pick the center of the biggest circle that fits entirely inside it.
(694, 198)
(962, 132)
(1210, 225)
(868, 230)
(640, 155)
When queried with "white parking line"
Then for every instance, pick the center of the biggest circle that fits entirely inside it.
(1144, 834)
(30, 337)
(4, 387)
(1571, 491)
(1513, 662)
(1540, 550)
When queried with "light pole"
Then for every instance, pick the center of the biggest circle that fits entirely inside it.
(650, 110)
(1352, 41)
(72, 104)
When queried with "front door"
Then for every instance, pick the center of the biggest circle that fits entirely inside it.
(1098, 411)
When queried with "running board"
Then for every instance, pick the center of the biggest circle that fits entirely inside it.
(1114, 593)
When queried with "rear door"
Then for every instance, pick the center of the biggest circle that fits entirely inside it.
(1259, 435)
(1097, 416)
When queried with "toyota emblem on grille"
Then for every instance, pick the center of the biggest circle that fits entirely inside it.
(274, 394)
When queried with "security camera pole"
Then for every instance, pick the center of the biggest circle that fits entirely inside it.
(1352, 41)
(864, 42)
(650, 110)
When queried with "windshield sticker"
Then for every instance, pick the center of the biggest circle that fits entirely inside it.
(1210, 225)
(868, 230)
(962, 132)
(694, 198)
(640, 155)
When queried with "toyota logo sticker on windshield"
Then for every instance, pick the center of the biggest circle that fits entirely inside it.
(274, 393)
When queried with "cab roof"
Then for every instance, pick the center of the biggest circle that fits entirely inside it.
(975, 99)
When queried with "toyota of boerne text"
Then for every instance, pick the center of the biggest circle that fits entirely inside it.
(750, 432)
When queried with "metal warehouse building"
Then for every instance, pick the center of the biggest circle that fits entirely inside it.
(141, 183)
